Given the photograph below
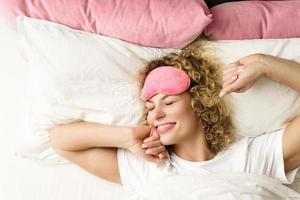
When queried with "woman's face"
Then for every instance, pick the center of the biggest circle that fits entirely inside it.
(173, 118)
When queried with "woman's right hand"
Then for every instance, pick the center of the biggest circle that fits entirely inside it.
(146, 143)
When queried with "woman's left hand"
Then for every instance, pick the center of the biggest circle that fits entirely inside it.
(241, 75)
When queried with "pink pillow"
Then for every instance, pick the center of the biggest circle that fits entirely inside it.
(156, 23)
(255, 20)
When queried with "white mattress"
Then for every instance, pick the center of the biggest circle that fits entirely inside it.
(23, 179)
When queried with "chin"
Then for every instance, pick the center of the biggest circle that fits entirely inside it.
(166, 140)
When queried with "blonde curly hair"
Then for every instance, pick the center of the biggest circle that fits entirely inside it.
(205, 73)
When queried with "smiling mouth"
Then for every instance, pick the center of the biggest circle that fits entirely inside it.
(164, 128)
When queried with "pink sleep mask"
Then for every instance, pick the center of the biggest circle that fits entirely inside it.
(166, 80)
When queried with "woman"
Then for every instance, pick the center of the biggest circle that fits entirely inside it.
(189, 128)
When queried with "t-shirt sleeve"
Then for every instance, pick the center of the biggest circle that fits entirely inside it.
(265, 157)
(133, 169)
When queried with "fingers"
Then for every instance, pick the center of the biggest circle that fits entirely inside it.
(230, 80)
(241, 75)
(156, 150)
(156, 160)
(160, 158)
(151, 144)
(234, 87)
(230, 75)
(232, 72)
(153, 137)
(164, 155)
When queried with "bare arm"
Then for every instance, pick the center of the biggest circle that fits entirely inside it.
(240, 76)
(287, 72)
(93, 146)
(85, 135)
(80, 143)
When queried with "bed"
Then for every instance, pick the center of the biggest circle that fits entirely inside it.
(31, 170)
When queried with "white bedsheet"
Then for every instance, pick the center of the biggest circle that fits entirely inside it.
(216, 187)
(25, 179)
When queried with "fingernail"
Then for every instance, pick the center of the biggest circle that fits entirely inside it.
(161, 156)
(222, 93)
(234, 77)
(240, 70)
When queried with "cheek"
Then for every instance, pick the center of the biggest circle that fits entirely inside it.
(149, 119)
(187, 115)
(184, 110)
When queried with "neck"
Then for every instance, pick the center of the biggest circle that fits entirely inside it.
(194, 149)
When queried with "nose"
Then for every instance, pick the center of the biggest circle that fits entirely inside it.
(157, 113)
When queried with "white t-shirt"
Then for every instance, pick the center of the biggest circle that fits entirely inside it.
(260, 155)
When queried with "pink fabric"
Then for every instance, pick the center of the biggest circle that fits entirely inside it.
(156, 23)
(166, 80)
(255, 20)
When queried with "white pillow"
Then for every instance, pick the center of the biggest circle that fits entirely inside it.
(75, 75)
(266, 105)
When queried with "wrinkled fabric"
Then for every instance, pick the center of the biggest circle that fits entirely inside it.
(231, 186)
